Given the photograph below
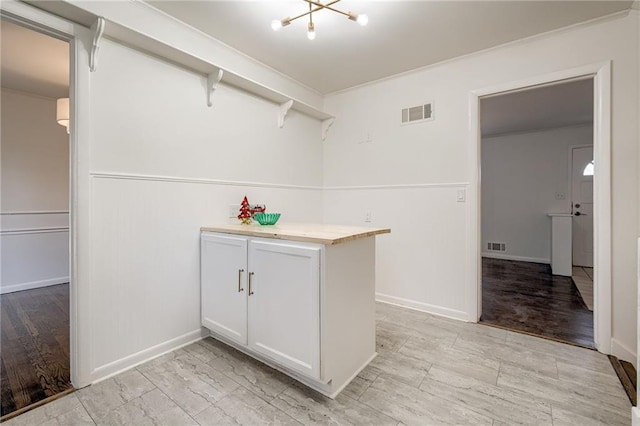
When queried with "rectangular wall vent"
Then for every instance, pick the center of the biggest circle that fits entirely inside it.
(496, 247)
(418, 113)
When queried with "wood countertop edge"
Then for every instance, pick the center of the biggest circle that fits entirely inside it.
(300, 238)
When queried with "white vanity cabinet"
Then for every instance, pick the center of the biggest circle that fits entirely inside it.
(297, 298)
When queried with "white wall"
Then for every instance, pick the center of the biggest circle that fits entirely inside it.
(431, 162)
(163, 165)
(157, 25)
(34, 235)
(521, 174)
(422, 246)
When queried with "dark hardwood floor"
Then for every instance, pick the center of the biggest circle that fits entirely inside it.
(524, 296)
(34, 360)
(626, 372)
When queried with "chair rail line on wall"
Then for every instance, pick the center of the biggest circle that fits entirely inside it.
(398, 186)
(23, 231)
(223, 182)
(35, 212)
(177, 179)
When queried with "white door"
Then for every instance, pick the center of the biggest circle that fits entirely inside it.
(223, 285)
(284, 304)
(582, 170)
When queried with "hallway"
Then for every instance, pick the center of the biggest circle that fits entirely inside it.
(524, 296)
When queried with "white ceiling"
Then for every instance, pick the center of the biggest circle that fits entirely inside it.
(400, 36)
(539, 108)
(33, 62)
(39, 64)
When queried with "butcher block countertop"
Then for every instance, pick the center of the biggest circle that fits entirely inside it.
(306, 232)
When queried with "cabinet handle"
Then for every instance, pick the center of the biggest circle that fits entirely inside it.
(240, 271)
(250, 291)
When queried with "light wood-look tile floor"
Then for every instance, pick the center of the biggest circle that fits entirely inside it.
(429, 371)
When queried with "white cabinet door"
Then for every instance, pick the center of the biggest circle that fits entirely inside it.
(223, 285)
(284, 322)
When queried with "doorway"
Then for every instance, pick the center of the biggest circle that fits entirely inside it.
(81, 55)
(34, 288)
(529, 137)
(582, 169)
(601, 75)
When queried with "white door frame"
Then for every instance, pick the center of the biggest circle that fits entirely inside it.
(601, 74)
(79, 39)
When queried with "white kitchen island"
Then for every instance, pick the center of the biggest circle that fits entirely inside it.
(298, 297)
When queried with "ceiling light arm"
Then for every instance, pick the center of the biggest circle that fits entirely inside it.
(327, 6)
(308, 13)
(311, 33)
(311, 29)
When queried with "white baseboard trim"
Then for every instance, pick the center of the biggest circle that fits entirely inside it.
(635, 416)
(109, 370)
(621, 351)
(423, 307)
(33, 284)
(512, 257)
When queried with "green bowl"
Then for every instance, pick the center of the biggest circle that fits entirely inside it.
(267, 218)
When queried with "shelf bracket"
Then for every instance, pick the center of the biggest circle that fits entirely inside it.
(213, 80)
(325, 126)
(282, 112)
(98, 30)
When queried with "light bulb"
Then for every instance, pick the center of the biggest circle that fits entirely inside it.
(362, 20)
(311, 32)
(277, 24)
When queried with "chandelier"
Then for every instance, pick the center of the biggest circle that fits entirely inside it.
(315, 6)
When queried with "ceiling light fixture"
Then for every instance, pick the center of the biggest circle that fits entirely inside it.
(311, 30)
(62, 112)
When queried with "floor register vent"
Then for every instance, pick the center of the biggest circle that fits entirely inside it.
(417, 114)
(496, 247)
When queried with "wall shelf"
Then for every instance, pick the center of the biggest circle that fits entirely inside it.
(158, 48)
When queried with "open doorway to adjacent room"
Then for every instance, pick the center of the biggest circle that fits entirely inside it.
(34, 215)
(537, 210)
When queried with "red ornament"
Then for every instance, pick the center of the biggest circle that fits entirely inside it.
(258, 208)
(245, 211)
